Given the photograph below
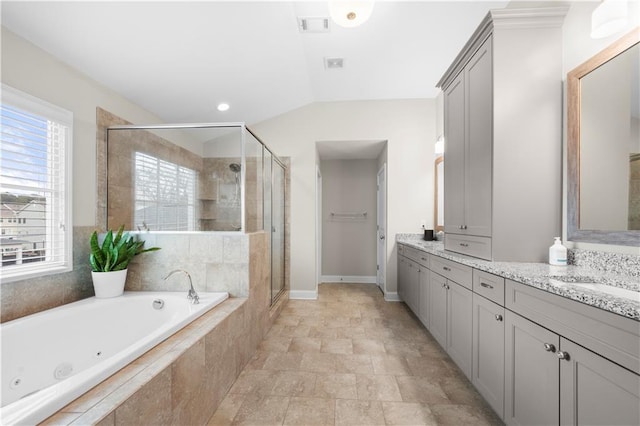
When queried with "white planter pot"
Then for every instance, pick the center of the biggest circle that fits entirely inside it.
(109, 284)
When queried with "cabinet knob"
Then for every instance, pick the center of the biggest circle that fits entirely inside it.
(563, 355)
(464, 226)
(498, 317)
(446, 269)
(447, 286)
(549, 347)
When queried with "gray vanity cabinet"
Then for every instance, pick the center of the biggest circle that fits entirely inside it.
(488, 351)
(532, 369)
(402, 275)
(438, 308)
(408, 282)
(467, 171)
(497, 137)
(450, 319)
(459, 326)
(413, 281)
(425, 287)
(594, 390)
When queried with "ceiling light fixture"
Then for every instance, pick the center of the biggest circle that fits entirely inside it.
(223, 107)
(350, 14)
(608, 18)
(333, 63)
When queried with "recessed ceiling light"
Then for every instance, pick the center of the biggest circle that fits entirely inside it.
(223, 107)
(333, 63)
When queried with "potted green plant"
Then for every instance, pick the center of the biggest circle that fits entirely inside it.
(109, 261)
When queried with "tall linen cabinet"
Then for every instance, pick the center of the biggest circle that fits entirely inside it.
(503, 137)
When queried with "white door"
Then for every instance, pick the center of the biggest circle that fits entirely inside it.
(382, 227)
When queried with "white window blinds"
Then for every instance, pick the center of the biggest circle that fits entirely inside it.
(35, 187)
(165, 195)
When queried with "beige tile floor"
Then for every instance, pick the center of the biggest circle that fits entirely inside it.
(350, 358)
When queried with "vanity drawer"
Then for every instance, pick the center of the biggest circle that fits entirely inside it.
(471, 246)
(451, 270)
(418, 256)
(489, 285)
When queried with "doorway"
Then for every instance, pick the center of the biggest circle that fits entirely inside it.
(381, 201)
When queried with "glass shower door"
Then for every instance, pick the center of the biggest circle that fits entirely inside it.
(277, 229)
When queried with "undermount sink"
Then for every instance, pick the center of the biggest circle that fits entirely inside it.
(591, 284)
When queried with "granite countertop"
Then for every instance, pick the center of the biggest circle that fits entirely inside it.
(546, 277)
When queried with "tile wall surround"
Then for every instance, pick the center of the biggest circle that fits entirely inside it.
(216, 261)
(26, 297)
(184, 379)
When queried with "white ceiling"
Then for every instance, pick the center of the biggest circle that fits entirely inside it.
(180, 59)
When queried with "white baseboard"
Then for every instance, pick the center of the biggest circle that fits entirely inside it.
(303, 294)
(392, 297)
(348, 279)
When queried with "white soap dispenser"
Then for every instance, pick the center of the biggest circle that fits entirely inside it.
(558, 253)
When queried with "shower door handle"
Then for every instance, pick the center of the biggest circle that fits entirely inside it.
(382, 237)
(273, 229)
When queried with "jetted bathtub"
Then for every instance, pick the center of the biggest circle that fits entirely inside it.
(53, 357)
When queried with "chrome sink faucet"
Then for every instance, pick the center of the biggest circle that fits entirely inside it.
(191, 295)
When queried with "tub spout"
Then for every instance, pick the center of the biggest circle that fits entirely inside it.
(191, 295)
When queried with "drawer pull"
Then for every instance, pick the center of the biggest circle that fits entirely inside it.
(464, 244)
(498, 317)
(423, 259)
(446, 269)
(549, 347)
(485, 285)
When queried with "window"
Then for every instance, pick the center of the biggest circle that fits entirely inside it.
(35, 184)
(165, 195)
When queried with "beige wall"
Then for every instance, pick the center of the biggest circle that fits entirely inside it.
(349, 245)
(408, 126)
(28, 68)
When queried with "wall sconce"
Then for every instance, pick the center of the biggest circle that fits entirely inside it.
(608, 18)
(350, 14)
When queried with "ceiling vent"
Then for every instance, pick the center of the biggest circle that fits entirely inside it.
(333, 63)
(309, 24)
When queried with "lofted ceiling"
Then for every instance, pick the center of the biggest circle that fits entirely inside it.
(179, 60)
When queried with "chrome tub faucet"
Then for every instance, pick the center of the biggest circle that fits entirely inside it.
(191, 295)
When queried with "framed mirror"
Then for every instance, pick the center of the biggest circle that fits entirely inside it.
(603, 188)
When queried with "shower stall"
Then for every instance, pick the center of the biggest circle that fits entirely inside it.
(205, 177)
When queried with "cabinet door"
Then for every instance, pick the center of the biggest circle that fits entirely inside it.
(454, 156)
(488, 351)
(595, 391)
(479, 101)
(532, 373)
(438, 308)
(424, 296)
(401, 277)
(413, 283)
(459, 326)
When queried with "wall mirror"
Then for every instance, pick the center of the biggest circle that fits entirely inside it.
(603, 189)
